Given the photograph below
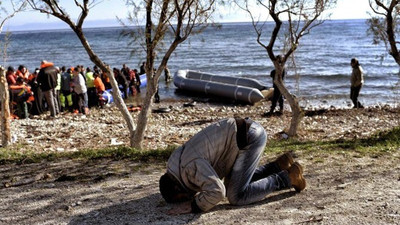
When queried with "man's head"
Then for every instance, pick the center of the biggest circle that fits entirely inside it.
(76, 71)
(172, 191)
(354, 62)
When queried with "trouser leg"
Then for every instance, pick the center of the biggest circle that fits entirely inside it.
(156, 97)
(81, 103)
(22, 110)
(275, 99)
(240, 189)
(280, 103)
(265, 171)
(62, 101)
(50, 101)
(354, 93)
(56, 101)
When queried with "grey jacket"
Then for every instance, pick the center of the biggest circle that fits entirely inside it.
(204, 160)
(357, 77)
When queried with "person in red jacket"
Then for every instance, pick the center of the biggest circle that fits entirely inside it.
(11, 76)
(100, 88)
(21, 94)
(23, 73)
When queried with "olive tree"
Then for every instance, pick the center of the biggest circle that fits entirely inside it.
(53, 8)
(17, 6)
(384, 25)
(168, 23)
(301, 16)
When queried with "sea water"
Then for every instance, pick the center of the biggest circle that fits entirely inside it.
(319, 76)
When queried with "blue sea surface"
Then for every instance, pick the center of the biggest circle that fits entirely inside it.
(321, 75)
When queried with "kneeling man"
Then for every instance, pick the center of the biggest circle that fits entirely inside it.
(231, 150)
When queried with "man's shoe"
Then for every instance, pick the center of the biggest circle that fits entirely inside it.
(296, 177)
(285, 161)
(267, 114)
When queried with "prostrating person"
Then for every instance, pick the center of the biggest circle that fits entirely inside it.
(231, 150)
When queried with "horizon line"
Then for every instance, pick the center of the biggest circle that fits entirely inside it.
(111, 24)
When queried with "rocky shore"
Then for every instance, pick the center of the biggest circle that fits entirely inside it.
(106, 127)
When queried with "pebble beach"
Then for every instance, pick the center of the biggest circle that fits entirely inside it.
(104, 128)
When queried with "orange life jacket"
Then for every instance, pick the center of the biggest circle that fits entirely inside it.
(46, 64)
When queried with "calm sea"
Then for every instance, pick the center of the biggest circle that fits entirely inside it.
(321, 75)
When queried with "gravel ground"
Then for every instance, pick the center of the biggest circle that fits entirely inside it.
(106, 127)
(342, 188)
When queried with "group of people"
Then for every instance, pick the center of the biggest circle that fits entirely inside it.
(73, 89)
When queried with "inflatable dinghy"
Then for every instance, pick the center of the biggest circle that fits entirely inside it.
(236, 88)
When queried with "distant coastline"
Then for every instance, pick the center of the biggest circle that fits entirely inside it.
(108, 23)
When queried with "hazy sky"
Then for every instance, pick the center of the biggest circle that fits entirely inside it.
(109, 9)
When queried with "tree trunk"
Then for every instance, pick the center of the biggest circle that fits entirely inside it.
(143, 119)
(394, 52)
(5, 109)
(152, 85)
(297, 114)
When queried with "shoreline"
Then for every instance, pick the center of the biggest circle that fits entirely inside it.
(104, 128)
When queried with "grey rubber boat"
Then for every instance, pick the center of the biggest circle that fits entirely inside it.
(236, 88)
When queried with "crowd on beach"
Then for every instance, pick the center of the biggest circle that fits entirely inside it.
(76, 89)
(65, 89)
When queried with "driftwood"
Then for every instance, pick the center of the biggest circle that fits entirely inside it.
(5, 109)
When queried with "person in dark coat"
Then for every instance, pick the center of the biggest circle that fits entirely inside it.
(277, 97)
(122, 81)
(47, 80)
(37, 104)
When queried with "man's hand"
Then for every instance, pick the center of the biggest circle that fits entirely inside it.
(181, 208)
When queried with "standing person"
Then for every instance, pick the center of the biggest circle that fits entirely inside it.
(126, 72)
(57, 90)
(277, 97)
(357, 81)
(47, 79)
(229, 149)
(167, 74)
(80, 90)
(105, 79)
(138, 82)
(37, 104)
(91, 89)
(143, 68)
(121, 80)
(66, 89)
(132, 82)
(100, 88)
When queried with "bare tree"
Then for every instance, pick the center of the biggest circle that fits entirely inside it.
(178, 19)
(4, 93)
(301, 16)
(384, 25)
(51, 7)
